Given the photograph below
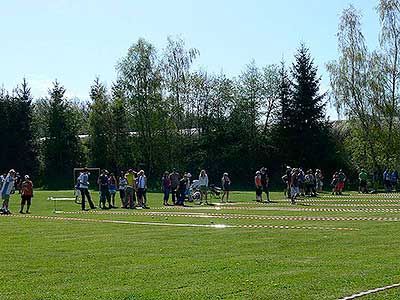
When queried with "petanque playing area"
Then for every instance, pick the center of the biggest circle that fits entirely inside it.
(329, 247)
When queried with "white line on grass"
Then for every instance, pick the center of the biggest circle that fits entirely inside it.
(219, 226)
(371, 292)
(235, 216)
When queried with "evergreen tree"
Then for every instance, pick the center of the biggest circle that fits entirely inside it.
(302, 131)
(100, 127)
(21, 126)
(62, 149)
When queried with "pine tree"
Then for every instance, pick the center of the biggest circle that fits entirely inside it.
(99, 126)
(62, 149)
(302, 129)
(21, 126)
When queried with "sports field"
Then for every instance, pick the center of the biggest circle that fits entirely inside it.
(328, 247)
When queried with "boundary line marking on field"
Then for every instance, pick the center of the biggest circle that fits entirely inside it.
(218, 226)
(236, 216)
(354, 296)
(277, 208)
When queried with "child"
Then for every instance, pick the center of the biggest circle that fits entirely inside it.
(26, 194)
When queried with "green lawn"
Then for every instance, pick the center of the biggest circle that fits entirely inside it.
(81, 259)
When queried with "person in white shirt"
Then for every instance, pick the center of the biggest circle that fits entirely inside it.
(203, 186)
(142, 187)
(83, 180)
(6, 189)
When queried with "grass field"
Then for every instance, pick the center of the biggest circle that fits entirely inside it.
(323, 249)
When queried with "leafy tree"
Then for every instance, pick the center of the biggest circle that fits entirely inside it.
(139, 72)
(352, 83)
(121, 142)
(175, 66)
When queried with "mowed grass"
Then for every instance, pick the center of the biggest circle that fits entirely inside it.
(78, 259)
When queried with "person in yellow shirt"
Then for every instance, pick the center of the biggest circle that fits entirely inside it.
(130, 195)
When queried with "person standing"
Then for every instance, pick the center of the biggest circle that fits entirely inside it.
(6, 190)
(226, 185)
(104, 192)
(26, 194)
(122, 189)
(182, 190)
(393, 180)
(141, 189)
(342, 180)
(203, 186)
(112, 188)
(295, 185)
(258, 184)
(174, 178)
(83, 180)
(363, 177)
(265, 182)
(166, 186)
(130, 189)
(319, 181)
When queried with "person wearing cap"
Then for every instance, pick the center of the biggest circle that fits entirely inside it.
(141, 189)
(105, 195)
(258, 184)
(6, 190)
(226, 184)
(130, 195)
(83, 181)
(175, 179)
(26, 194)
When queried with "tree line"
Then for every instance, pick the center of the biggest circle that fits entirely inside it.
(161, 114)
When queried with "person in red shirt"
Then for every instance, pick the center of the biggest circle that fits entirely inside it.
(26, 194)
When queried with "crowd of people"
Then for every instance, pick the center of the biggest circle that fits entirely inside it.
(132, 187)
(12, 182)
(183, 188)
(300, 183)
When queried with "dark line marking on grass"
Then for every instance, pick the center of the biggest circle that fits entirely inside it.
(237, 216)
(371, 292)
(218, 226)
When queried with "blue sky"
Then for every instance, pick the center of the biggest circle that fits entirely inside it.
(76, 40)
